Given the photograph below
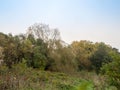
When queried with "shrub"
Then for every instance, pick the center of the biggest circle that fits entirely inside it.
(112, 70)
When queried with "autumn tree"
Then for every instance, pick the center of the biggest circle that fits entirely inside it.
(83, 50)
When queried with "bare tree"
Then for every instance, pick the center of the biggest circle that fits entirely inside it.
(42, 31)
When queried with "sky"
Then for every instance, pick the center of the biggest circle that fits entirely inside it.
(94, 20)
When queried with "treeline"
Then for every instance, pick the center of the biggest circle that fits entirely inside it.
(42, 48)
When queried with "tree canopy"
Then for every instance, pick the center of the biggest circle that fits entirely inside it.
(41, 47)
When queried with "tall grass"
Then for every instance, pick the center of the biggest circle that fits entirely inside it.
(20, 77)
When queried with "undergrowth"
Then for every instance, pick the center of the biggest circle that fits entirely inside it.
(20, 77)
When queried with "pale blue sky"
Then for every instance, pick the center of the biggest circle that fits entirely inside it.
(94, 20)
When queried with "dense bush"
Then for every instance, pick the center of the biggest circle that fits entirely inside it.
(112, 70)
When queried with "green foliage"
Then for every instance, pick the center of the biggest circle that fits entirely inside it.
(10, 79)
(39, 61)
(21, 66)
(65, 87)
(112, 70)
(27, 57)
(85, 85)
(100, 56)
(20, 77)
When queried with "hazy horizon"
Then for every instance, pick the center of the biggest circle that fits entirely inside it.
(94, 20)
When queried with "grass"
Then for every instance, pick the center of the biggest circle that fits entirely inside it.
(21, 77)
